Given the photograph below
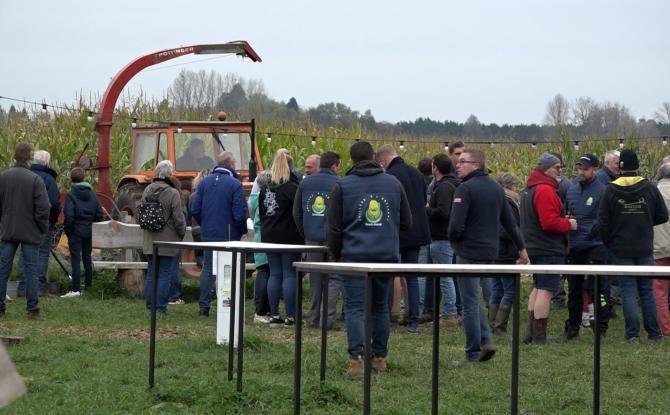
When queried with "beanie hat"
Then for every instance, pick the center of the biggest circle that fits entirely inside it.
(547, 160)
(628, 160)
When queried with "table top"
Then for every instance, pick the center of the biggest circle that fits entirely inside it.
(243, 246)
(371, 269)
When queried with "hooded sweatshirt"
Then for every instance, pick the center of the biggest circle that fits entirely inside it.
(630, 209)
(662, 232)
(81, 210)
(276, 212)
(366, 212)
(542, 224)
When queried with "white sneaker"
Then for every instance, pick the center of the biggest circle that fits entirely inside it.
(178, 301)
(71, 294)
(261, 319)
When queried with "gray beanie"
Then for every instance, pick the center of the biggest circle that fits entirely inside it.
(547, 160)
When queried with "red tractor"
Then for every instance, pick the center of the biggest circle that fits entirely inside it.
(190, 145)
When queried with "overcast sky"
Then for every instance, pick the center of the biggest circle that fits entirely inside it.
(502, 61)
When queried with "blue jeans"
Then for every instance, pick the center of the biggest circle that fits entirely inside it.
(354, 303)
(174, 292)
(164, 269)
(206, 281)
(631, 288)
(442, 253)
(424, 258)
(80, 250)
(282, 281)
(42, 261)
(487, 284)
(261, 290)
(475, 322)
(502, 290)
(29, 253)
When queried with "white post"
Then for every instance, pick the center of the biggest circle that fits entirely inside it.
(223, 265)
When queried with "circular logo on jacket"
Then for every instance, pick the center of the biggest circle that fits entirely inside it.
(319, 205)
(374, 213)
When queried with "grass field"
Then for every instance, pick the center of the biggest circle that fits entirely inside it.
(90, 355)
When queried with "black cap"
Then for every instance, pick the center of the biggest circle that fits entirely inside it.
(587, 160)
(628, 160)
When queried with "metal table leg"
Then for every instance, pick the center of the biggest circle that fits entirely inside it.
(298, 344)
(436, 344)
(515, 346)
(240, 341)
(324, 324)
(233, 305)
(152, 339)
(368, 351)
(596, 345)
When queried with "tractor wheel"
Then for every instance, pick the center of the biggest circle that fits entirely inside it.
(127, 199)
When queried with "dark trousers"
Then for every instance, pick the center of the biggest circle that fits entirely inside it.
(80, 251)
(577, 284)
(261, 302)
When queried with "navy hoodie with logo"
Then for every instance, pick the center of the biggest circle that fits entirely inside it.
(583, 201)
(630, 208)
(368, 208)
(311, 202)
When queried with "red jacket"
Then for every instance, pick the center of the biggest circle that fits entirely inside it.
(547, 203)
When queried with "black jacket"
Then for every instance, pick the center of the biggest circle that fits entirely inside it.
(49, 176)
(415, 188)
(24, 205)
(478, 210)
(630, 208)
(81, 210)
(367, 210)
(508, 250)
(439, 208)
(276, 212)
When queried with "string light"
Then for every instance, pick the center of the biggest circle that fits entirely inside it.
(491, 143)
(44, 106)
(576, 145)
(402, 146)
(313, 140)
(533, 145)
(446, 146)
(268, 137)
(621, 143)
(665, 140)
(90, 116)
(134, 123)
(179, 129)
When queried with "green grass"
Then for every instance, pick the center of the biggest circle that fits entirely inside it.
(90, 355)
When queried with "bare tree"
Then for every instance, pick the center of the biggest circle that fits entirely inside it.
(583, 110)
(473, 128)
(558, 111)
(663, 113)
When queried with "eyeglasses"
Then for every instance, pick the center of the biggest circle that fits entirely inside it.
(466, 162)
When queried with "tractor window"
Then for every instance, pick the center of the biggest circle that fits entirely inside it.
(162, 147)
(144, 151)
(197, 151)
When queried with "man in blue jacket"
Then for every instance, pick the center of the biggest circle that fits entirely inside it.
(583, 199)
(411, 240)
(478, 210)
(366, 212)
(221, 211)
(40, 167)
(310, 213)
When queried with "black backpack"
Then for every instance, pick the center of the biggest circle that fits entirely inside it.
(151, 215)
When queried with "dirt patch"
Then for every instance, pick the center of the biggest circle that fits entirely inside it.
(136, 334)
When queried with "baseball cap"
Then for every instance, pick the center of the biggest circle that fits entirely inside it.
(587, 160)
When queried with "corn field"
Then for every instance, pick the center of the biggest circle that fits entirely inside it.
(65, 133)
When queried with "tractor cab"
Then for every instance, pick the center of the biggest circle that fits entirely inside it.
(192, 147)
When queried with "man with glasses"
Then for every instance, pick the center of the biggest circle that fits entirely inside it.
(479, 208)
(545, 229)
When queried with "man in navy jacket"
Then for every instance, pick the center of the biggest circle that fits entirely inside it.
(413, 239)
(478, 210)
(220, 209)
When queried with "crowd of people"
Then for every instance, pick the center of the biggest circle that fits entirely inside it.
(448, 210)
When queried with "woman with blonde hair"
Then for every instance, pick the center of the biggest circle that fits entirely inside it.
(278, 226)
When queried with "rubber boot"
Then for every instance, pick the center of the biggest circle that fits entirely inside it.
(540, 330)
(528, 338)
(499, 325)
(493, 312)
